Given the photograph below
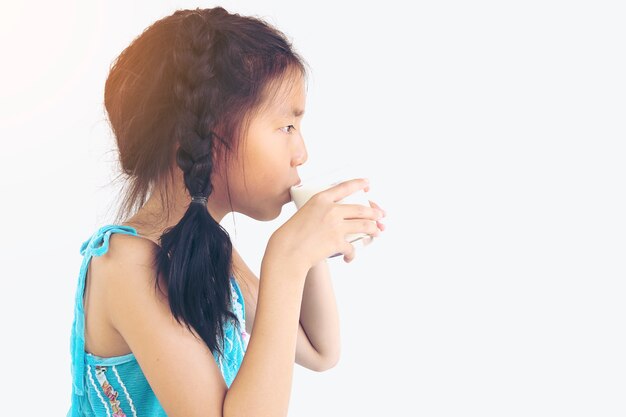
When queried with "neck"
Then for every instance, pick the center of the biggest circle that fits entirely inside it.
(152, 218)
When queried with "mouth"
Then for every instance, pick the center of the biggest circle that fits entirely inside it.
(288, 191)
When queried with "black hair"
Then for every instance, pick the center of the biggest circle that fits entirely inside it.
(181, 96)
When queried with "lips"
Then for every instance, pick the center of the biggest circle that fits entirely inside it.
(289, 189)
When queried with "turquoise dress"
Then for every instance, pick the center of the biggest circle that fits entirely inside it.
(116, 386)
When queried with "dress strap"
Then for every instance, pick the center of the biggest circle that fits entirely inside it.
(97, 245)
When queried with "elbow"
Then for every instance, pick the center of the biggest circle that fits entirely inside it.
(328, 363)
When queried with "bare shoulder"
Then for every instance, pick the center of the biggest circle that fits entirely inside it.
(101, 338)
(179, 366)
(129, 264)
(134, 249)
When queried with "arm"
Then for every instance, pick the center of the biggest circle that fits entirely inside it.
(262, 386)
(319, 317)
(317, 286)
(179, 367)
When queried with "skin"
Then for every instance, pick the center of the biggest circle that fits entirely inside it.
(259, 179)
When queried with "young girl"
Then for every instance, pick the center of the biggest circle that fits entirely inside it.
(206, 108)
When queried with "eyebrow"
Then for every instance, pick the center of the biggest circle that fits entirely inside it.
(295, 112)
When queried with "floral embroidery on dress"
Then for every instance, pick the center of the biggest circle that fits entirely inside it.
(109, 391)
(239, 312)
(246, 338)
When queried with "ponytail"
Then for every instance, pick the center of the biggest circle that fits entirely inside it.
(195, 258)
(196, 254)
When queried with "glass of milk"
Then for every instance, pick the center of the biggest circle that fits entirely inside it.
(301, 193)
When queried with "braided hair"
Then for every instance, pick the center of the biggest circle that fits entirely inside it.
(181, 96)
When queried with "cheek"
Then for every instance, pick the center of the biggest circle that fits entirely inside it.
(260, 182)
(266, 167)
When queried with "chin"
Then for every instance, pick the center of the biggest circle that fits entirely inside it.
(272, 212)
(266, 216)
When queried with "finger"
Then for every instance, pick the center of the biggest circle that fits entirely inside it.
(361, 226)
(349, 257)
(373, 204)
(344, 189)
(348, 252)
(367, 240)
(359, 211)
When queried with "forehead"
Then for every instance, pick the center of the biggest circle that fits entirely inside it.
(285, 97)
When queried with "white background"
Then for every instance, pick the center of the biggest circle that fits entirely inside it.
(493, 134)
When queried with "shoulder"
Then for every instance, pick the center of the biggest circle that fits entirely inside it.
(129, 266)
(130, 271)
(127, 269)
(177, 363)
(129, 248)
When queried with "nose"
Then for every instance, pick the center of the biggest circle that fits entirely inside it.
(301, 154)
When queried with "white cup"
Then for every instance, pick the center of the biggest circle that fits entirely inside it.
(302, 192)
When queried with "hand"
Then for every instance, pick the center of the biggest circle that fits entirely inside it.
(319, 228)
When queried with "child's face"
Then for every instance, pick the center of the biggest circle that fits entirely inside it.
(271, 153)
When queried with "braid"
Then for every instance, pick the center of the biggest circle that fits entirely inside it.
(192, 88)
(197, 248)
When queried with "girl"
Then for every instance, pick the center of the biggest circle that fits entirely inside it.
(160, 324)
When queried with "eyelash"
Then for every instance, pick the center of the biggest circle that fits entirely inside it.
(289, 126)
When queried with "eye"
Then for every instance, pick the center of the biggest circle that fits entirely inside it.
(289, 131)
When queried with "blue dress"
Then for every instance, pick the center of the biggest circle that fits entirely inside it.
(116, 386)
